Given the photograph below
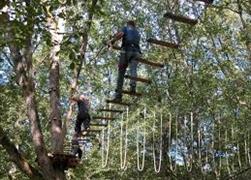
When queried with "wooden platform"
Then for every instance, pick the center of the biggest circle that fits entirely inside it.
(64, 161)
(111, 110)
(154, 64)
(180, 18)
(120, 103)
(131, 94)
(163, 43)
(138, 79)
(103, 118)
(206, 1)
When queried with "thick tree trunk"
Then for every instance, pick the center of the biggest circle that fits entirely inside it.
(17, 157)
(24, 77)
(54, 87)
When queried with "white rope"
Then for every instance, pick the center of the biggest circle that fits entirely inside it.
(123, 164)
(105, 159)
(220, 165)
(246, 148)
(232, 137)
(170, 141)
(189, 164)
(239, 155)
(141, 168)
(199, 147)
(227, 155)
(216, 170)
(249, 159)
(157, 170)
(176, 144)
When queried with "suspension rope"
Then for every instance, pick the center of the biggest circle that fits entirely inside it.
(189, 164)
(141, 168)
(246, 148)
(199, 147)
(217, 166)
(157, 170)
(227, 155)
(105, 159)
(123, 164)
(232, 138)
(239, 155)
(248, 144)
(176, 144)
(170, 141)
(220, 163)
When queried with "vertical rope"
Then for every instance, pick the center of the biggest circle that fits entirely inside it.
(176, 144)
(170, 141)
(227, 155)
(141, 167)
(123, 164)
(232, 138)
(105, 159)
(157, 170)
(249, 159)
(190, 158)
(199, 147)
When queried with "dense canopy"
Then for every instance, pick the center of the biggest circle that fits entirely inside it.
(190, 117)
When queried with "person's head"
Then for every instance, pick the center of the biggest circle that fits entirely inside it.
(131, 23)
(82, 97)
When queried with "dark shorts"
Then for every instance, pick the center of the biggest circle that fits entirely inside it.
(84, 119)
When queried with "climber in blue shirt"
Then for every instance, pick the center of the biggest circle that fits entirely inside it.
(130, 51)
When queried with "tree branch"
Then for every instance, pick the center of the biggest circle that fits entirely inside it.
(17, 158)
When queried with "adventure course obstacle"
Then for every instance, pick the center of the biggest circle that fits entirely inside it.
(173, 128)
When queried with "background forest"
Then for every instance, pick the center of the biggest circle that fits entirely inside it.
(194, 118)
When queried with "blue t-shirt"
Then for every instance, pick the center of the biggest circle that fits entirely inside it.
(131, 38)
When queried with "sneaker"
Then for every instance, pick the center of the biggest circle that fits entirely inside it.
(133, 89)
(117, 99)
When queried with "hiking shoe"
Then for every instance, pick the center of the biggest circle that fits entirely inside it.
(133, 89)
(117, 99)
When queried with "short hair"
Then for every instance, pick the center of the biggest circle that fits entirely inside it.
(131, 23)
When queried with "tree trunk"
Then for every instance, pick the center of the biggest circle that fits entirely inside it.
(54, 86)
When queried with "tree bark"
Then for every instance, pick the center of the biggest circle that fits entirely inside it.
(24, 77)
(54, 86)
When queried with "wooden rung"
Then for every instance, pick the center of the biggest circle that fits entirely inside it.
(111, 110)
(84, 132)
(150, 63)
(131, 93)
(98, 124)
(116, 102)
(103, 118)
(163, 43)
(206, 1)
(138, 79)
(180, 18)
